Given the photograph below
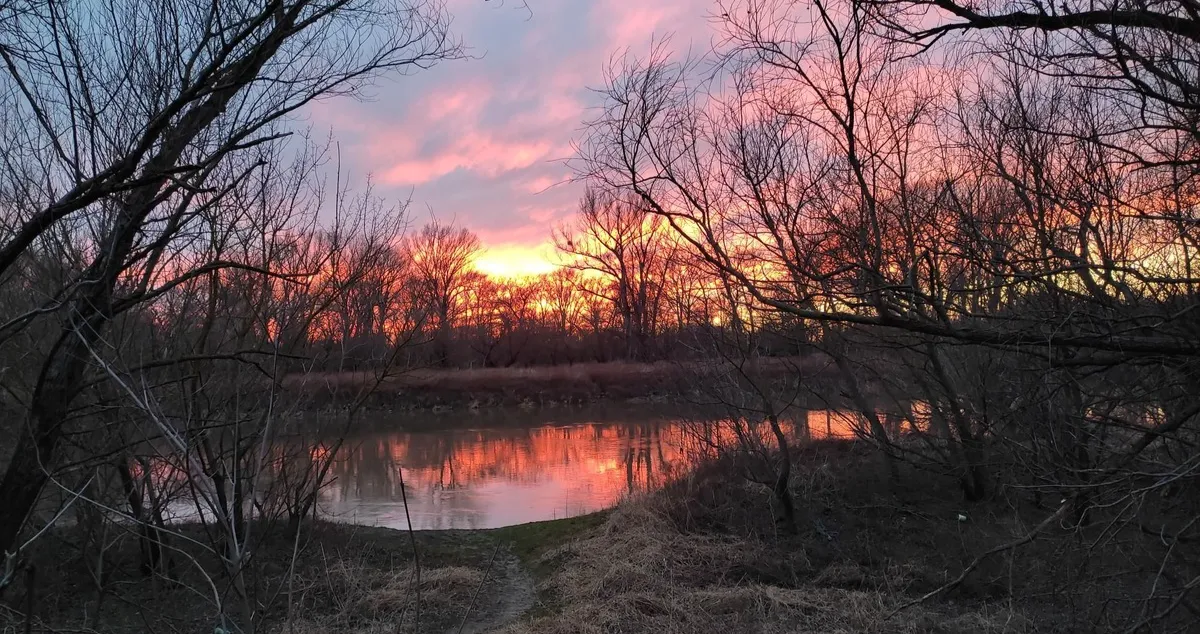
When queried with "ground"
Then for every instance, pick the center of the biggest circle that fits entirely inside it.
(703, 555)
(346, 578)
(508, 594)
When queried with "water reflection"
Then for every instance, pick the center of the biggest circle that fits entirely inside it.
(486, 478)
(498, 477)
(508, 467)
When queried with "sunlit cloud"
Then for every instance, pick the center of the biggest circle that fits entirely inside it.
(481, 142)
(541, 184)
(478, 153)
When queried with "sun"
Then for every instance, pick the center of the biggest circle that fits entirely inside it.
(516, 261)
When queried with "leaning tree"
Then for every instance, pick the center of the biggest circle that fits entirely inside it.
(130, 128)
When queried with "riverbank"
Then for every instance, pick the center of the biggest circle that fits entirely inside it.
(436, 389)
(334, 578)
(704, 556)
(870, 554)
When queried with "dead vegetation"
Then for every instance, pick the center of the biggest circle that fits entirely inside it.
(539, 385)
(705, 556)
(373, 600)
(870, 554)
(349, 579)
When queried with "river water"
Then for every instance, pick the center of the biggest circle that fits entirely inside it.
(471, 470)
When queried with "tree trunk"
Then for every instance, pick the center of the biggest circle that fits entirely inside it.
(24, 479)
(975, 475)
(91, 311)
(35, 454)
(878, 432)
(782, 487)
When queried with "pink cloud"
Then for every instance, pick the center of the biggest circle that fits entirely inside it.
(476, 151)
(542, 183)
(481, 140)
(634, 25)
(456, 102)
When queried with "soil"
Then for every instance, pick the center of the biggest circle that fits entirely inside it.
(508, 594)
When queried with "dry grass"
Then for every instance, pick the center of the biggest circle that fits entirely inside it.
(701, 556)
(345, 579)
(370, 600)
(538, 385)
(640, 573)
(704, 555)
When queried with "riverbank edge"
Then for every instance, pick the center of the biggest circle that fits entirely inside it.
(450, 389)
(350, 577)
(871, 551)
(705, 553)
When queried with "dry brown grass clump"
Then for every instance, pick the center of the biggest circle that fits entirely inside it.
(367, 600)
(640, 573)
(638, 549)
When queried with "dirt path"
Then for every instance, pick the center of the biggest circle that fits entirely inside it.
(506, 595)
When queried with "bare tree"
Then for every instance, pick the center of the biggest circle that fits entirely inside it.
(1014, 231)
(632, 251)
(1139, 57)
(130, 126)
(442, 259)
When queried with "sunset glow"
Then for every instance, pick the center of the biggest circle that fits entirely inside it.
(634, 316)
(516, 261)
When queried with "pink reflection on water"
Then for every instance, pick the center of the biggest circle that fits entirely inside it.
(499, 477)
(457, 478)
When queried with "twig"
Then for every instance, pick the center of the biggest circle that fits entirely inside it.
(10, 559)
(412, 538)
(30, 583)
(1028, 537)
(478, 588)
(291, 582)
(1179, 598)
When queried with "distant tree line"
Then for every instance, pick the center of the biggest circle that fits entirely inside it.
(627, 290)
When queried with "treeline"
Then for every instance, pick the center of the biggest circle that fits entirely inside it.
(628, 290)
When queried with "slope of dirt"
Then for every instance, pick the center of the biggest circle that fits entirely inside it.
(507, 594)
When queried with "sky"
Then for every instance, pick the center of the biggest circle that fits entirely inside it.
(481, 141)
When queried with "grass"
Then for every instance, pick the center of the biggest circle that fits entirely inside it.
(638, 572)
(529, 542)
(352, 579)
(705, 555)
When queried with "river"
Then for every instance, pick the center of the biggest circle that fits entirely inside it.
(472, 470)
